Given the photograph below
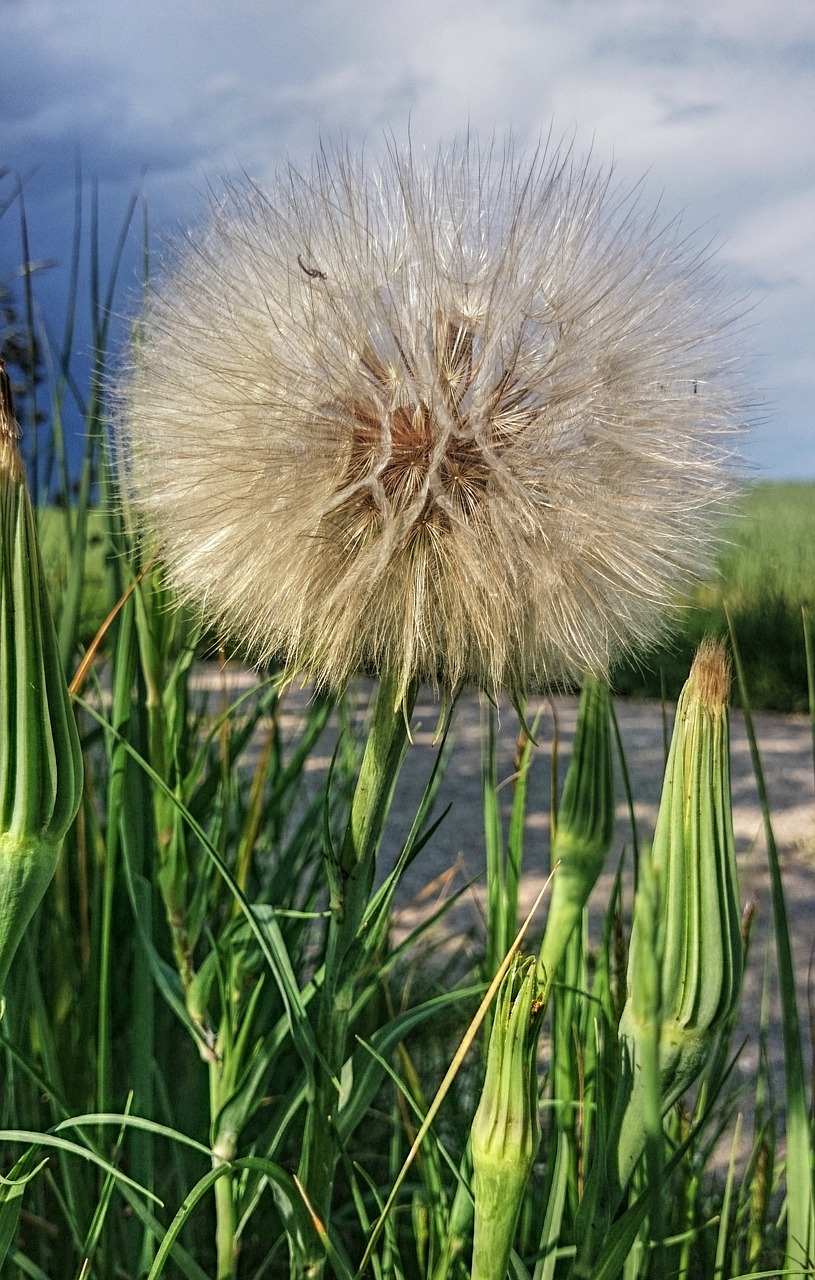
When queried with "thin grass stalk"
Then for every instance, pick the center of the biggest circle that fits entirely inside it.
(60, 376)
(31, 355)
(552, 1227)
(50, 1084)
(760, 1168)
(144, 1067)
(800, 1220)
(524, 748)
(504, 865)
(810, 663)
(723, 1245)
(628, 792)
(101, 310)
(497, 924)
(124, 670)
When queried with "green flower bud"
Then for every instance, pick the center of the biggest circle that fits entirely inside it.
(40, 757)
(695, 929)
(506, 1128)
(585, 825)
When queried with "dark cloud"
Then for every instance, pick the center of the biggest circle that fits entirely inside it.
(56, 108)
(798, 56)
(684, 112)
(41, 80)
(684, 42)
(660, 43)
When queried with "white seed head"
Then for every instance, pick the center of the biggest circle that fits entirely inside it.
(457, 418)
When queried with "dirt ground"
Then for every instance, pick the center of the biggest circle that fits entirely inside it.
(786, 747)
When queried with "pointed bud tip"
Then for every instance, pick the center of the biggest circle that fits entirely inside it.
(710, 675)
(10, 463)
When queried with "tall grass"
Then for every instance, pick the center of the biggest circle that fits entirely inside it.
(189, 1007)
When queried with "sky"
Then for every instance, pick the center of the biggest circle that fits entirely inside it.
(710, 103)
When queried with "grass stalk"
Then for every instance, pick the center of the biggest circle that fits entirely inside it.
(800, 1217)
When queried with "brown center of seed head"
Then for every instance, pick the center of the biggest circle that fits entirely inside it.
(397, 448)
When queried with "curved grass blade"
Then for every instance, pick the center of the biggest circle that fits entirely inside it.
(800, 1223)
(298, 1221)
(135, 1122)
(12, 1188)
(32, 1139)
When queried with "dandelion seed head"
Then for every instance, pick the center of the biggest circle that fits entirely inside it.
(462, 418)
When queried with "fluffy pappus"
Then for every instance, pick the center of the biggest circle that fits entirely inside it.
(458, 418)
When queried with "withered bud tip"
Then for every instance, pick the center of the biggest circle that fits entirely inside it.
(9, 430)
(710, 675)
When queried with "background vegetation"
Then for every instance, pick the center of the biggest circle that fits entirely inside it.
(766, 576)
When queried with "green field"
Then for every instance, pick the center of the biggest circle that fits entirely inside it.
(766, 577)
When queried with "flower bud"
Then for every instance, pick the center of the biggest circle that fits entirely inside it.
(696, 930)
(506, 1128)
(585, 825)
(40, 757)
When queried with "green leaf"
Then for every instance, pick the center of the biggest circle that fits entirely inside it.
(12, 1187)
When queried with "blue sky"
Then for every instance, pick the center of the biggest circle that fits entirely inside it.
(712, 101)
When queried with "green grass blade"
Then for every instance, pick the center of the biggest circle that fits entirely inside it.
(800, 1223)
(12, 1187)
(628, 792)
(134, 1122)
(27, 1267)
(723, 1235)
(525, 747)
(497, 927)
(72, 1148)
(553, 1216)
(369, 1059)
(810, 662)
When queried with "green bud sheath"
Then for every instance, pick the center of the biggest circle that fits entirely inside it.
(697, 933)
(585, 826)
(506, 1128)
(40, 757)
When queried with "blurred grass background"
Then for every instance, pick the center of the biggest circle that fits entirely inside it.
(765, 578)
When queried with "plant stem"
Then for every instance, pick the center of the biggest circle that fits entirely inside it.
(351, 876)
(225, 1217)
